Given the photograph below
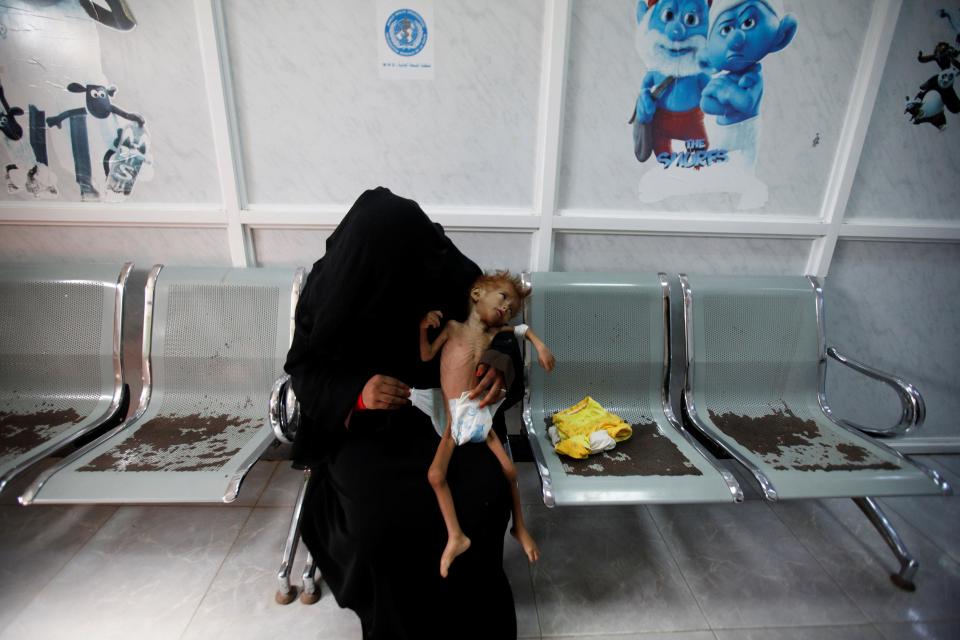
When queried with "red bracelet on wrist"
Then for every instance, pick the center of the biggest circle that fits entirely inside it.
(360, 406)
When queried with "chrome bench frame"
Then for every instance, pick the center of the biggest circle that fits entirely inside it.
(913, 413)
(284, 413)
(119, 393)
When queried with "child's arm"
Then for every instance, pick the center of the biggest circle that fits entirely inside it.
(544, 355)
(427, 350)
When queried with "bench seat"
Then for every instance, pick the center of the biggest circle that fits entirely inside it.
(755, 386)
(214, 342)
(61, 366)
(757, 358)
(609, 333)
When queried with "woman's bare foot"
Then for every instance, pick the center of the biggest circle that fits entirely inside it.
(527, 542)
(455, 546)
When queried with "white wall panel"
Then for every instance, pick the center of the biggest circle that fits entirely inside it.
(143, 245)
(289, 247)
(318, 124)
(705, 255)
(493, 251)
(159, 72)
(302, 247)
(896, 306)
(909, 171)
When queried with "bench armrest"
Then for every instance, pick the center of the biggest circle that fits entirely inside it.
(284, 411)
(913, 412)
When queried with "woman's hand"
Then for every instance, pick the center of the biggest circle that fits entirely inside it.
(489, 382)
(384, 392)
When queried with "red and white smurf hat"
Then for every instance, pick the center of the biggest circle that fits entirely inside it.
(720, 6)
(651, 3)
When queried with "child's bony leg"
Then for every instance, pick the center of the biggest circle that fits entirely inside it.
(519, 529)
(457, 542)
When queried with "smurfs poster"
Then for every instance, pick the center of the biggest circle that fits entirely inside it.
(696, 124)
(66, 130)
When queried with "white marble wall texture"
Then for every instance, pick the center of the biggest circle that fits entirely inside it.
(689, 254)
(143, 245)
(326, 130)
(896, 305)
(317, 126)
(299, 247)
(158, 70)
(910, 171)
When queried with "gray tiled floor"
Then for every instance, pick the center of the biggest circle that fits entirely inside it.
(788, 571)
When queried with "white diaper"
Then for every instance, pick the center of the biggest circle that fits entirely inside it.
(470, 422)
(430, 401)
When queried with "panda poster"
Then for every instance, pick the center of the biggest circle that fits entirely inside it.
(67, 131)
(697, 120)
(936, 95)
(405, 39)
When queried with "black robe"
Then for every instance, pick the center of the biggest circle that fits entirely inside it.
(370, 517)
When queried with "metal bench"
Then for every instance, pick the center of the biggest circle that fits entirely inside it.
(610, 335)
(755, 386)
(214, 342)
(61, 370)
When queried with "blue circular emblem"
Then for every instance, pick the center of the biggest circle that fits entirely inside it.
(406, 32)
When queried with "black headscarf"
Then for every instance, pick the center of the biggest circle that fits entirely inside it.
(386, 265)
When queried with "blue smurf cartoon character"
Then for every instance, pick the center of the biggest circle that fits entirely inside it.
(669, 36)
(741, 33)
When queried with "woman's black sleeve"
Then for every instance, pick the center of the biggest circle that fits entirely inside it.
(326, 387)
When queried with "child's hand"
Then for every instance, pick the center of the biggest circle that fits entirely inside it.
(546, 359)
(431, 320)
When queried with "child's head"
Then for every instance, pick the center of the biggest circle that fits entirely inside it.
(497, 296)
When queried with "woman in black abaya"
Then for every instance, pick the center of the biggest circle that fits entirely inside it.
(370, 518)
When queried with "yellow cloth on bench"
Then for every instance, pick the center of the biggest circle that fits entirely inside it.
(575, 424)
(575, 447)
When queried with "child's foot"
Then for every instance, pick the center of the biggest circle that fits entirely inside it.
(455, 546)
(527, 542)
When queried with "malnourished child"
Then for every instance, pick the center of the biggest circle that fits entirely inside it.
(494, 299)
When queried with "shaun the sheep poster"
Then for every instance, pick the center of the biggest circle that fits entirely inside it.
(67, 132)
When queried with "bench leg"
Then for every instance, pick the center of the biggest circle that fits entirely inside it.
(311, 592)
(286, 593)
(908, 564)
